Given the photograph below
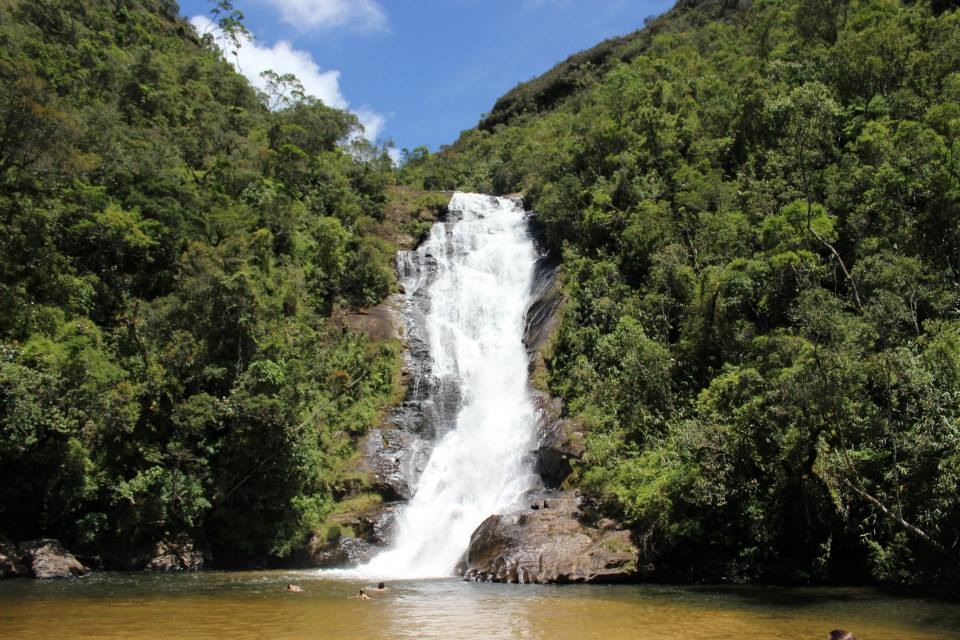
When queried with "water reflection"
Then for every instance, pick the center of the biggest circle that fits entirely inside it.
(254, 605)
(444, 609)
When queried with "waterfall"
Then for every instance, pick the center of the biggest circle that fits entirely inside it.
(481, 264)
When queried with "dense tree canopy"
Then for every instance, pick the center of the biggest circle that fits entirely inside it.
(758, 209)
(170, 254)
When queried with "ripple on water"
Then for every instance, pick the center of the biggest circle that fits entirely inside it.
(251, 605)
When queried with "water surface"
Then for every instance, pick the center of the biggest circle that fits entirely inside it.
(247, 605)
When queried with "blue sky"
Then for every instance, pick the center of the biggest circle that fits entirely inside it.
(420, 71)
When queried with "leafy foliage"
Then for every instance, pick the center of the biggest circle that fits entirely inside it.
(172, 251)
(758, 209)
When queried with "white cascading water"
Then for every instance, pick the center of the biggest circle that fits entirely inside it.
(484, 268)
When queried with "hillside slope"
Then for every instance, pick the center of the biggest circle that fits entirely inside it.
(171, 253)
(757, 206)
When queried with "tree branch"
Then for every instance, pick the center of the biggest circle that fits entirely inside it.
(910, 528)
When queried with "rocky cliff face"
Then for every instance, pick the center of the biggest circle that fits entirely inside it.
(395, 454)
(559, 439)
(546, 301)
(559, 442)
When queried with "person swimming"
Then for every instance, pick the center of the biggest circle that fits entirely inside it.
(292, 588)
(382, 587)
(840, 634)
(362, 595)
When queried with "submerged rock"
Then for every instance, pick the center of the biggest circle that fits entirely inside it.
(548, 543)
(46, 558)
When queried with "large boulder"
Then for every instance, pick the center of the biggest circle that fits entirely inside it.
(11, 560)
(46, 558)
(548, 543)
(181, 553)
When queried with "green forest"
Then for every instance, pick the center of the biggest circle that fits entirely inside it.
(172, 253)
(755, 209)
(757, 205)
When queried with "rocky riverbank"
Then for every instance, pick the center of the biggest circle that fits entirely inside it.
(45, 558)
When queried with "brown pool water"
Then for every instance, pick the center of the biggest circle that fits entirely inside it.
(247, 605)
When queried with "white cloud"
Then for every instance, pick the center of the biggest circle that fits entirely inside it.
(395, 155)
(372, 123)
(366, 15)
(253, 58)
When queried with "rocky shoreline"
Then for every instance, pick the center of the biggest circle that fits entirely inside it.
(47, 558)
(44, 559)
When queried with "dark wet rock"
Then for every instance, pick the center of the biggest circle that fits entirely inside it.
(92, 562)
(380, 525)
(549, 544)
(546, 301)
(388, 456)
(47, 558)
(342, 552)
(128, 557)
(181, 553)
(11, 560)
(559, 441)
(357, 551)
